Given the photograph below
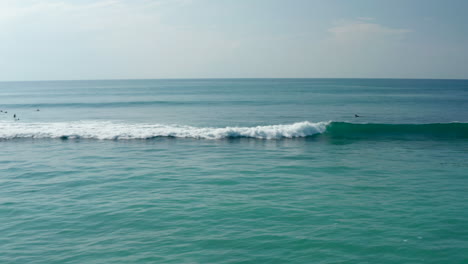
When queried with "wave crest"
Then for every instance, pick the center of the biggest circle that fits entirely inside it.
(113, 130)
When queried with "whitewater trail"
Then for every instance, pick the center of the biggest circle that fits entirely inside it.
(108, 130)
(113, 130)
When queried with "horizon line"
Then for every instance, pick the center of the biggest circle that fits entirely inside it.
(238, 78)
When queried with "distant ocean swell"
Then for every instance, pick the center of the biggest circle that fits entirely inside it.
(142, 103)
(114, 130)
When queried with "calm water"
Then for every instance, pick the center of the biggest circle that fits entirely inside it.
(234, 171)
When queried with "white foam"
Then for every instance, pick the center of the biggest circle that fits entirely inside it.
(115, 130)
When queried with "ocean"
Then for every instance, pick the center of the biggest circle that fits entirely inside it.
(234, 171)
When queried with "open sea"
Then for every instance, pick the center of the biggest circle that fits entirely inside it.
(234, 171)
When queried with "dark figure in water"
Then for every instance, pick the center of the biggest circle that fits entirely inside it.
(37, 110)
(355, 115)
(14, 116)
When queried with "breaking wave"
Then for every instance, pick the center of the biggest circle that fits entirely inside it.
(114, 130)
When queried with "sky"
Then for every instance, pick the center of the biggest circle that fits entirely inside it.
(151, 39)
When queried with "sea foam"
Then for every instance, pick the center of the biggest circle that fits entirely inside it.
(114, 130)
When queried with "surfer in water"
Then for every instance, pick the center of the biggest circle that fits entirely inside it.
(355, 115)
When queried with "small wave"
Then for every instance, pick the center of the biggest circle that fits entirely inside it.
(140, 104)
(113, 131)
(435, 130)
(106, 130)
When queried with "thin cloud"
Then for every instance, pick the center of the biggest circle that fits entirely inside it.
(366, 18)
(364, 29)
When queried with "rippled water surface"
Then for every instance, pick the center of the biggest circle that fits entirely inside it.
(356, 194)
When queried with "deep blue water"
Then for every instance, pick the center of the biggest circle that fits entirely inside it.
(234, 171)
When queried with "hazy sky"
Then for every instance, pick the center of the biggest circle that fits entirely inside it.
(120, 39)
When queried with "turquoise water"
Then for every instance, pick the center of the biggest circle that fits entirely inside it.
(234, 171)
